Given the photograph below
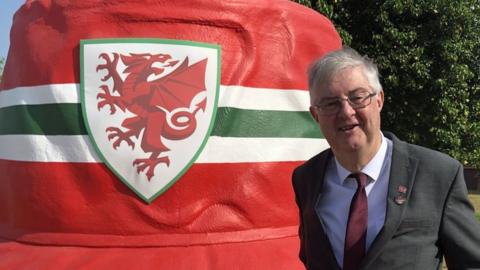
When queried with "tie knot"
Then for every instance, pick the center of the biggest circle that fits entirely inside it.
(361, 179)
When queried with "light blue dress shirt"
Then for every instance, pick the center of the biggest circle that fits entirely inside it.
(338, 189)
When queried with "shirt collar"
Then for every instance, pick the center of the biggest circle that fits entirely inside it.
(373, 167)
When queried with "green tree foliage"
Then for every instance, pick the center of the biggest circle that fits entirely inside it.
(428, 53)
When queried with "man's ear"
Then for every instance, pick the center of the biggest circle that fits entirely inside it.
(313, 113)
(380, 100)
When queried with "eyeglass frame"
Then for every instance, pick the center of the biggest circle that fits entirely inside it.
(353, 105)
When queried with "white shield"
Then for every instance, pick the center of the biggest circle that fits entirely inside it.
(149, 106)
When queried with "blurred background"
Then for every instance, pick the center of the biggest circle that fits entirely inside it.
(7, 10)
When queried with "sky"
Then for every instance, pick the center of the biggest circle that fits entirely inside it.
(7, 9)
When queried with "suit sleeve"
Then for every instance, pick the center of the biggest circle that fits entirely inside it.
(300, 227)
(460, 230)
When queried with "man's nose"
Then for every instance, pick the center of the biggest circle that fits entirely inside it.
(346, 108)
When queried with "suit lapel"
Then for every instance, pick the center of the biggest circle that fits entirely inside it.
(402, 175)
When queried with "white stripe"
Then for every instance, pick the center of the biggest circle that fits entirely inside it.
(43, 94)
(263, 98)
(78, 148)
(229, 149)
(230, 96)
(39, 148)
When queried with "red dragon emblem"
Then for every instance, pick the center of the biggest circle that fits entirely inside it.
(162, 107)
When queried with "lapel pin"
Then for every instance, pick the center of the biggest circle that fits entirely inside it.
(401, 199)
(402, 189)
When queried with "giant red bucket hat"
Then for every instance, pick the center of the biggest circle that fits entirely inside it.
(67, 198)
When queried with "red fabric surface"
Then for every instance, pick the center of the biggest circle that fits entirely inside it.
(87, 199)
(217, 216)
(268, 254)
(264, 43)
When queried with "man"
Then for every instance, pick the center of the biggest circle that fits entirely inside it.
(372, 201)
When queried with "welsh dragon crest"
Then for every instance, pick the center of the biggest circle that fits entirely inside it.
(149, 107)
(162, 107)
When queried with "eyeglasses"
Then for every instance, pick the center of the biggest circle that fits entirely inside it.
(357, 100)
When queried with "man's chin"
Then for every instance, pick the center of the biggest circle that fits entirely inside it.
(346, 146)
(351, 148)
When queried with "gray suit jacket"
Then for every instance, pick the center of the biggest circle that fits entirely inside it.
(433, 218)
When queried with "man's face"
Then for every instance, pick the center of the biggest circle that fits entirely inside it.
(349, 129)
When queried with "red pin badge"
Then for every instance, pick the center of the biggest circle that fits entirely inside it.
(402, 189)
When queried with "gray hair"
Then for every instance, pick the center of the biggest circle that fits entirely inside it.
(323, 69)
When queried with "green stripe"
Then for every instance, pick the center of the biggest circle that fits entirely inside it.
(66, 119)
(233, 122)
(50, 119)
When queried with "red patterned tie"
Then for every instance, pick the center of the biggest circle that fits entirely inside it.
(356, 226)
